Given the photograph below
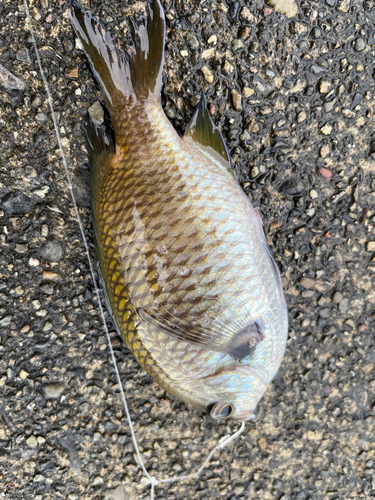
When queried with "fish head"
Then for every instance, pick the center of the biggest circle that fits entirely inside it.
(235, 391)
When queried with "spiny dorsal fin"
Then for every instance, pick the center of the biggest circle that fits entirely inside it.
(206, 136)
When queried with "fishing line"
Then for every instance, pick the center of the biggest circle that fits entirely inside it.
(224, 441)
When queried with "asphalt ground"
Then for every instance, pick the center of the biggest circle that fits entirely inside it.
(294, 97)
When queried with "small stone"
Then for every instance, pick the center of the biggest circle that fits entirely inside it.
(344, 305)
(307, 282)
(313, 194)
(328, 106)
(324, 87)
(348, 113)
(23, 55)
(344, 5)
(98, 481)
(72, 73)
(370, 247)
(5, 321)
(193, 18)
(32, 442)
(17, 203)
(30, 171)
(38, 478)
(292, 187)
(22, 247)
(41, 440)
(208, 74)
(184, 53)
(212, 40)
(208, 54)
(44, 3)
(254, 172)
(265, 110)
(52, 251)
(331, 3)
(228, 68)
(23, 374)
(53, 391)
(25, 329)
(325, 172)
(245, 32)
(41, 117)
(50, 276)
(247, 91)
(245, 136)
(192, 42)
(325, 313)
(270, 74)
(359, 44)
(247, 15)
(253, 127)
(236, 99)
(237, 45)
(324, 151)
(301, 117)
(48, 325)
(287, 7)
(326, 129)
(9, 80)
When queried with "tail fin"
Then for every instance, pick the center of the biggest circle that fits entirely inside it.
(124, 77)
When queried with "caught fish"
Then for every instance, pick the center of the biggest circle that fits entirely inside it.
(184, 263)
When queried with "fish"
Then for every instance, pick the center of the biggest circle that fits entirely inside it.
(186, 271)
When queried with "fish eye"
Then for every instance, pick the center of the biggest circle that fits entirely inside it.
(220, 411)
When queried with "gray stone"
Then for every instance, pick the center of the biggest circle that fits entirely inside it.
(17, 203)
(23, 55)
(192, 42)
(359, 44)
(344, 305)
(9, 80)
(52, 251)
(54, 391)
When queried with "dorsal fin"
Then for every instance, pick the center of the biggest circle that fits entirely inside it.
(206, 136)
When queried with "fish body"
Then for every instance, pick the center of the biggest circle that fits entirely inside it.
(185, 266)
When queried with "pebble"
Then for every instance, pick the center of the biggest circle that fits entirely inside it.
(17, 203)
(30, 171)
(253, 127)
(192, 42)
(23, 55)
(324, 151)
(5, 321)
(359, 44)
(193, 18)
(348, 113)
(212, 40)
(248, 92)
(237, 45)
(324, 87)
(236, 99)
(247, 15)
(328, 106)
(301, 117)
(313, 194)
(52, 251)
(23, 374)
(307, 282)
(344, 305)
(270, 74)
(287, 7)
(326, 129)
(292, 187)
(208, 74)
(41, 117)
(9, 80)
(370, 247)
(326, 173)
(53, 391)
(32, 442)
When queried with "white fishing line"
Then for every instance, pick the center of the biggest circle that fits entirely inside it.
(224, 441)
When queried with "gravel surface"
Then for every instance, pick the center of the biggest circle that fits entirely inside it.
(291, 85)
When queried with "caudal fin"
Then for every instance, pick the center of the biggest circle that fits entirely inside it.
(124, 77)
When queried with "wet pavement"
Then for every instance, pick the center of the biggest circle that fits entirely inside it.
(291, 86)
